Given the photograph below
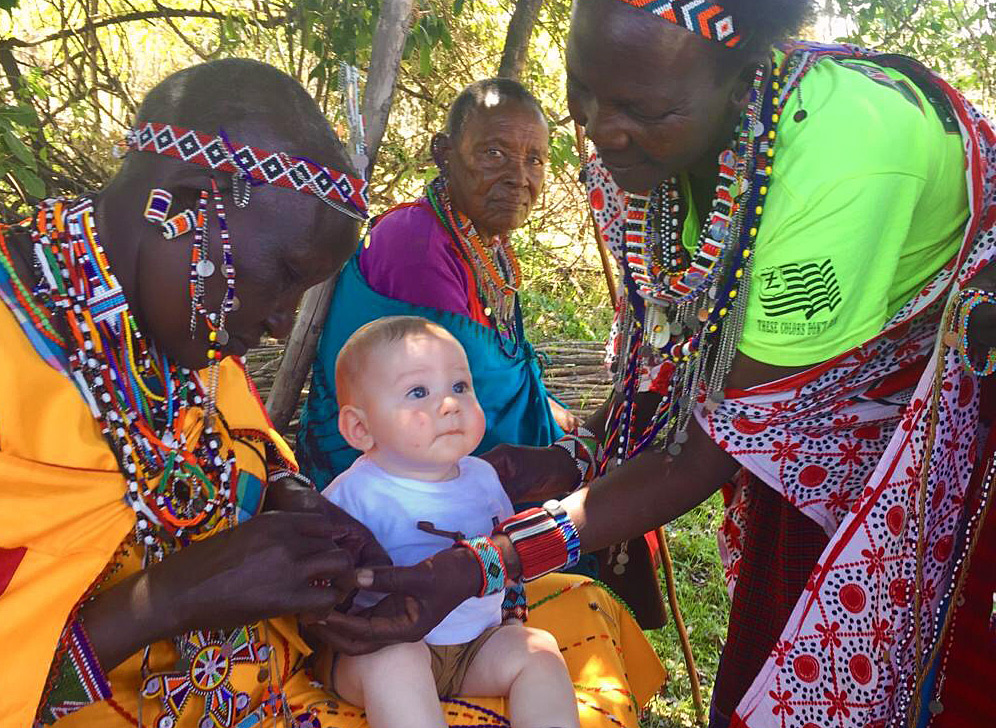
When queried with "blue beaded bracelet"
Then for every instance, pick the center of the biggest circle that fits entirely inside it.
(494, 575)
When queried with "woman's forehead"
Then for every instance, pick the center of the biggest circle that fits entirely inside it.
(509, 116)
(630, 52)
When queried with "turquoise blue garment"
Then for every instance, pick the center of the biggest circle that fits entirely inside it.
(509, 388)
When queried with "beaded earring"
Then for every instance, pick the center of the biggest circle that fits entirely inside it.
(201, 266)
(157, 206)
(179, 225)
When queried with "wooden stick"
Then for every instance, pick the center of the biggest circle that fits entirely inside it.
(295, 366)
(603, 252)
(679, 623)
(388, 44)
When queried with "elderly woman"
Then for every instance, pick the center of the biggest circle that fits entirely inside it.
(805, 323)
(447, 257)
(156, 540)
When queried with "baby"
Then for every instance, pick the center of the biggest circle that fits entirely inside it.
(407, 402)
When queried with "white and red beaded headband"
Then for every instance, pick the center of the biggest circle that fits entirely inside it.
(701, 17)
(257, 166)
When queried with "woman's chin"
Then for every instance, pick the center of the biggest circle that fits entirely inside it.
(637, 178)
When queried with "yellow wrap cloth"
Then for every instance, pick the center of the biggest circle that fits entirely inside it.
(65, 530)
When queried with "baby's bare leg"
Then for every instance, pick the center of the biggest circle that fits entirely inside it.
(394, 685)
(526, 665)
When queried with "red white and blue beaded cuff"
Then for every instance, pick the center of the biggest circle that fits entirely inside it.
(545, 539)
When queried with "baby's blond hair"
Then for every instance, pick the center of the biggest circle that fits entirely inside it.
(351, 360)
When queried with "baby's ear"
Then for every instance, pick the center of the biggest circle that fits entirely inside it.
(353, 427)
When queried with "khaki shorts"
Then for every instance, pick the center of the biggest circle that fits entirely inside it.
(450, 662)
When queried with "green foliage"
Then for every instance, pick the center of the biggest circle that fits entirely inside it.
(18, 161)
(956, 37)
(705, 608)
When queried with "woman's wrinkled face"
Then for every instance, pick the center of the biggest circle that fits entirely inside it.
(648, 93)
(496, 165)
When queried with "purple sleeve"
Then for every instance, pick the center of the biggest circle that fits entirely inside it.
(411, 259)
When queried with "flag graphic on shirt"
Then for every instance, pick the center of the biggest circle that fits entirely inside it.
(809, 287)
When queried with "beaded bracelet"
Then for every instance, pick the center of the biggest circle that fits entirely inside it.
(494, 575)
(514, 605)
(545, 539)
(970, 298)
(276, 475)
(586, 451)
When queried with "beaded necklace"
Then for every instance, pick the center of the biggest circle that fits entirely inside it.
(495, 267)
(685, 314)
(180, 489)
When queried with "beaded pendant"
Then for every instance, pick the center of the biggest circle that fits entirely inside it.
(204, 673)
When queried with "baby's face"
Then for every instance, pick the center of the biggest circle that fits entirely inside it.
(420, 406)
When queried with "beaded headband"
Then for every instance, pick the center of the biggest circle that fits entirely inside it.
(257, 166)
(701, 17)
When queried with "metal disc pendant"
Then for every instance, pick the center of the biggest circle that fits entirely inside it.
(618, 569)
(935, 707)
(221, 337)
(205, 268)
(681, 437)
(661, 334)
(674, 449)
(236, 303)
(622, 559)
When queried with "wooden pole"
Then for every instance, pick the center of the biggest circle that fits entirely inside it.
(679, 623)
(388, 43)
(385, 59)
(603, 252)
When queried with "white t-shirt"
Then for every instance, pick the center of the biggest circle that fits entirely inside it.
(391, 506)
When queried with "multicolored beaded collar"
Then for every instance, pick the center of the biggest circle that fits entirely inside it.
(253, 165)
(683, 314)
(708, 19)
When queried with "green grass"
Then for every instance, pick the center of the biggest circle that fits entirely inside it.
(705, 607)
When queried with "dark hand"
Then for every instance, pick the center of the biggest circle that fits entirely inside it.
(290, 495)
(418, 598)
(533, 473)
(266, 567)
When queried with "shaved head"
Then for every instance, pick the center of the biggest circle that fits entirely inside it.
(241, 96)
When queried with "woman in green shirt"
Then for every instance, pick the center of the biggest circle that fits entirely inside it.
(804, 324)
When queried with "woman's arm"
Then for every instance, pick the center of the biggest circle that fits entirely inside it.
(264, 568)
(640, 494)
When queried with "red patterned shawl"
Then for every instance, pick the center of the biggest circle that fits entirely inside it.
(878, 447)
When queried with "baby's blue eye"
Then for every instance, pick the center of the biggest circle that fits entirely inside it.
(417, 392)
(461, 387)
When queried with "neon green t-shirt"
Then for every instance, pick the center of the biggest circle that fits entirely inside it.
(867, 202)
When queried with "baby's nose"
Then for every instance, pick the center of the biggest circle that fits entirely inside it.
(449, 404)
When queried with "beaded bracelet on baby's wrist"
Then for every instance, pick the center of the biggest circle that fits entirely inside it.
(586, 451)
(545, 539)
(970, 298)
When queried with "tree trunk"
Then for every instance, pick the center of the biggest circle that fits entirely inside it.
(520, 29)
(388, 43)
